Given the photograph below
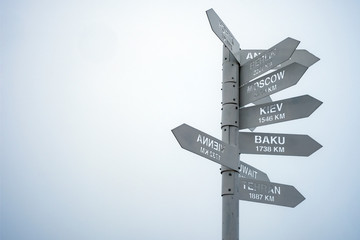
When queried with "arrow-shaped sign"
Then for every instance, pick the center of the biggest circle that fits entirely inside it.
(223, 33)
(271, 83)
(300, 56)
(279, 111)
(277, 144)
(267, 60)
(269, 192)
(207, 146)
(249, 172)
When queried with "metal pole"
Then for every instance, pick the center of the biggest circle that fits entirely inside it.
(230, 129)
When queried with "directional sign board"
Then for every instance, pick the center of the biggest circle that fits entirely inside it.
(277, 144)
(271, 83)
(223, 33)
(247, 171)
(279, 111)
(267, 60)
(269, 192)
(207, 146)
(300, 56)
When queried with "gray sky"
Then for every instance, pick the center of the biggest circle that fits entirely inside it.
(89, 93)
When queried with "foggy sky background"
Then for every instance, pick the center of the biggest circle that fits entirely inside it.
(89, 93)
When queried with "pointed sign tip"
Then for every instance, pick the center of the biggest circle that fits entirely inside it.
(293, 39)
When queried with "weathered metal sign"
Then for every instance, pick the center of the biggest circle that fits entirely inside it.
(300, 56)
(223, 33)
(248, 171)
(267, 60)
(269, 193)
(279, 111)
(207, 146)
(277, 144)
(271, 83)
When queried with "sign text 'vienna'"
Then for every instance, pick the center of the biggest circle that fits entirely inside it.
(206, 146)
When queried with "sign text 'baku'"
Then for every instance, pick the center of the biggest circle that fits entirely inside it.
(277, 144)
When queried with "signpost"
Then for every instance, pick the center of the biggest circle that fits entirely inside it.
(279, 111)
(267, 60)
(269, 193)
(271, 83)
(244, 81)
(277, 144)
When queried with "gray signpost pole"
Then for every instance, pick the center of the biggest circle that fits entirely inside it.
(230, 129)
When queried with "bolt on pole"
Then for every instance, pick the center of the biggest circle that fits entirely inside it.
(230, 131)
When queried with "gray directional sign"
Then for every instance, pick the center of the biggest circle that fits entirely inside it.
(207, 146)
(248, 171)
(223, 33)
(279, 111)
(277, 144)
(267, 60)
(300, 56)
(269, 193)
(271, 83)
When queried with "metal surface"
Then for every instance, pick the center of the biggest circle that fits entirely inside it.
(230, 116)
(228, 183)
(271, 83)
(300, 56)
(267, 60)
(230, 131)
(277, 144)
(206, 146)
(249, 172)
(223, 33)
(269, 193)
(279, 111)
(230, 93)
